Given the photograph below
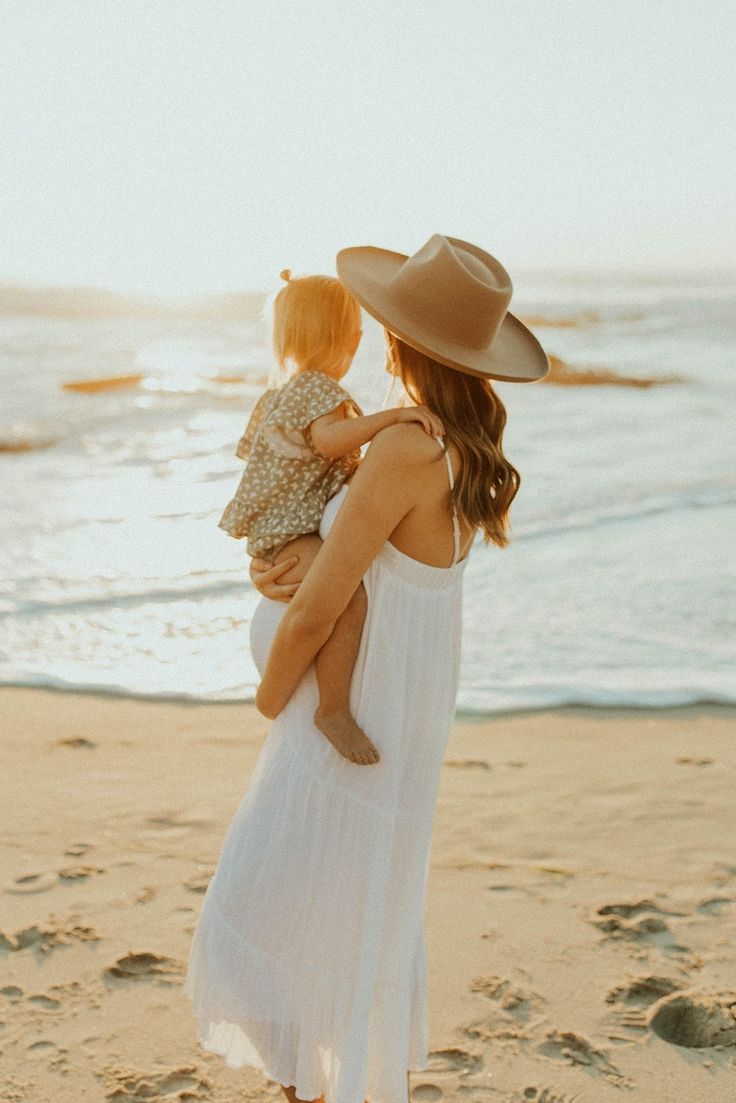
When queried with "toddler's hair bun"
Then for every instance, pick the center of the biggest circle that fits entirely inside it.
(285, 274)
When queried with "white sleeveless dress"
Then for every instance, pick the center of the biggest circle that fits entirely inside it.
(308, 960)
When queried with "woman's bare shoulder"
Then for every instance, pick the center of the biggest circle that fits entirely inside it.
(405, 443)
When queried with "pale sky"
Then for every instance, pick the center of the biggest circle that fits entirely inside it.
(202, 145)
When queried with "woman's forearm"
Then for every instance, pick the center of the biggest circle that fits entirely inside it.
(297, 640)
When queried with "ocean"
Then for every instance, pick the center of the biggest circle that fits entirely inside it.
(618, 586)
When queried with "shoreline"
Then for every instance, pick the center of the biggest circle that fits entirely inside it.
(582, 869)
(462, 714)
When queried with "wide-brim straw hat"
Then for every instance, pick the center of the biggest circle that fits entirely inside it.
(449, 300)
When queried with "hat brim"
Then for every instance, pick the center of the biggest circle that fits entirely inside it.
(514, 356)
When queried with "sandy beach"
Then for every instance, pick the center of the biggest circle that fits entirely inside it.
(581, 916)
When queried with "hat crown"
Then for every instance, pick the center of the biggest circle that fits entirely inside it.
(454, 289)
(450, 301)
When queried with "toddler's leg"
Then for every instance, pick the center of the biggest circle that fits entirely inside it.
(334, 667)
(334, 662)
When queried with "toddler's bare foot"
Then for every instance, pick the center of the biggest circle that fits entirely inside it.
(346, 737)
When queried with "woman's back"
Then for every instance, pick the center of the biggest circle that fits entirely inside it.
(426, 532)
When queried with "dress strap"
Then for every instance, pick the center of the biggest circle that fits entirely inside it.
(455, 522)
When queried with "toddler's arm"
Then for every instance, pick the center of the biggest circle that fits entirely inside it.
(335, 435)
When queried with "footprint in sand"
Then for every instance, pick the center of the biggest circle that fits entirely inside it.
(463, 763)
(641, 991)
(454, 1059)
(42, 880)
(76, 741)
(44, 1003)
(76, 850)
(34, 881)
(173, 823)
(426, 1093)
(576, 1050)
(631, 1000)
(148, 892)
(198, 882)
(42, 1048)
(694, 1018)
(131, 1086)
(78, 873)
(44, 937)
(12, 992)
(145, 966)
(534, 1094)
(634, 921)
(503, 1030)
(713, 905)
(517, 1001)
(56, 1055)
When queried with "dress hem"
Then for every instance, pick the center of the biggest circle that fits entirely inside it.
(287, 1081)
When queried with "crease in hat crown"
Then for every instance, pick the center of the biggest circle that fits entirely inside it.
(453, 291)
(450, 300)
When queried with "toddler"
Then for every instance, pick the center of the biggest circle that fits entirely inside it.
(301, 444)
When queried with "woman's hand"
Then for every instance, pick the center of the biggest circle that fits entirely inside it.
(264, 574)
(426, 418)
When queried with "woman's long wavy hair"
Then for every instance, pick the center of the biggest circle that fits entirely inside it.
(474, 418)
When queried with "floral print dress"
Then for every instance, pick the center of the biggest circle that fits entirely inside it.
(287, 482)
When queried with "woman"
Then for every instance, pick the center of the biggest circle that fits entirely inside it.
(308, 961)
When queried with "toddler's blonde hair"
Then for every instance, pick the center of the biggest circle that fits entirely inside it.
(315, 320)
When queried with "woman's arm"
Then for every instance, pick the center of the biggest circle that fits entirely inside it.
(377, 500)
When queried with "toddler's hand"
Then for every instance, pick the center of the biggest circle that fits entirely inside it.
(426, 418)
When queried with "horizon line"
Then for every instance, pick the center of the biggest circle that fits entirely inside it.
(640, 272)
